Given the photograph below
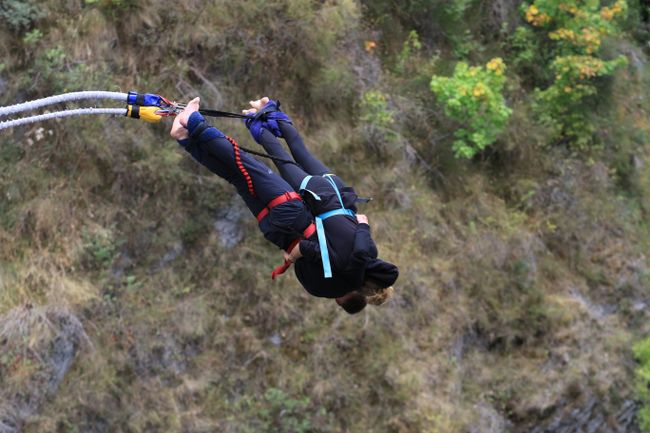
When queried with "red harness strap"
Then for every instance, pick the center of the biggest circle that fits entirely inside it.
(310, 230)
(287, 196)
(240, 165)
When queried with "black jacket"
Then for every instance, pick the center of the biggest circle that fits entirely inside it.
(352, 252)
(348, 262)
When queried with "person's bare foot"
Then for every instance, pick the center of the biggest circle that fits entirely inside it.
(179, 127)
(256, 105)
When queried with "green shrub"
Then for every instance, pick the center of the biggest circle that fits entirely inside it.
(473, 97)
(285, 414)
(99, 249)
(375, 111)
(411, 46)
(18, 15)
(33, 37)
(642, 385)
(575, 31)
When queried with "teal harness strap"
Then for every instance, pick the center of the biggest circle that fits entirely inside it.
(322, 241)
(303, 187)
(303, 184)
(320, 228)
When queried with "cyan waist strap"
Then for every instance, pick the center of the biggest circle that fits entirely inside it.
(320, 229)
(322, 241)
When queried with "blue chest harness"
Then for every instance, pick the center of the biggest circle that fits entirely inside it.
(320, 229)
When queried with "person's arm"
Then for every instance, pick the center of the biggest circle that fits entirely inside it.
(181, 131)
(196, 135)
(293, 255)
(307, 249)
(364, 247)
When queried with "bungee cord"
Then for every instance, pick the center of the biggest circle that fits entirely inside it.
(144, 106)
(65, 97)
(59, 114)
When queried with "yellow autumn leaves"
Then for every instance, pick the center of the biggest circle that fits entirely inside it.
(496, 65)
(535, 17)
(473, 96)
(539, 18)
(609, 13)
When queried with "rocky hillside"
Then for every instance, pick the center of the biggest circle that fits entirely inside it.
(134, 288)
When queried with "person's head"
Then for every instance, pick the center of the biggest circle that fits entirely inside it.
(370, 293)
(375, 293)
(377, 287)
(352, 302)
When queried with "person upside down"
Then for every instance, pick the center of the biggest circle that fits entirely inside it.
(307, 212)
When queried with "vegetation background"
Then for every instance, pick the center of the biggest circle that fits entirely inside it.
(134, 287)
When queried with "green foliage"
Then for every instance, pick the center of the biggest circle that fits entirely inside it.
(375, 111)
(411, 46)
(638, 22)
(526, 46)
(575, 31)
(378, 125)
(113, 6)
(461, 36)
(282, 413)
(207, 342)
(18, 15)
(99, 249)
(642, 383)
(457, 8)
(473, 97)
(562, 106)
(33, 37)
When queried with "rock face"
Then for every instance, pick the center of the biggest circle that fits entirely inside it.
(227, 224)
(590, 417)
(37, 348)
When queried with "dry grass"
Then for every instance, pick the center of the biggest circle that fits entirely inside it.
(518, 278)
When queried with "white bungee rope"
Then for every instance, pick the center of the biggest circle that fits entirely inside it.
(147, 107)
(58, 114)
(65, 97)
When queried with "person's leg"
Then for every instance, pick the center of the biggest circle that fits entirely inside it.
(290, 171)
(309, 164)
(301, 154)
(284, 222)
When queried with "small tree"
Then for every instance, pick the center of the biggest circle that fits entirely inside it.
(576, 29)
(473, 97)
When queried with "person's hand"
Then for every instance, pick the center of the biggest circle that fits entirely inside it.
(256, 105)
(362, 219)
(179, 127)
(292, 255)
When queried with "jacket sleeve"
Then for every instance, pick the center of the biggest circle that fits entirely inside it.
(364, 247)
(363, 252)
(310, 250)
(200, 134)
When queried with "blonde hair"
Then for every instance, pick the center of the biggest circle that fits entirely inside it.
(375, 294)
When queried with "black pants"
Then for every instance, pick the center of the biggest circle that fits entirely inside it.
(284, 222)
(306, 163)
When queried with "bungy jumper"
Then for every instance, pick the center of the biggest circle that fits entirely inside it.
(153, 108)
